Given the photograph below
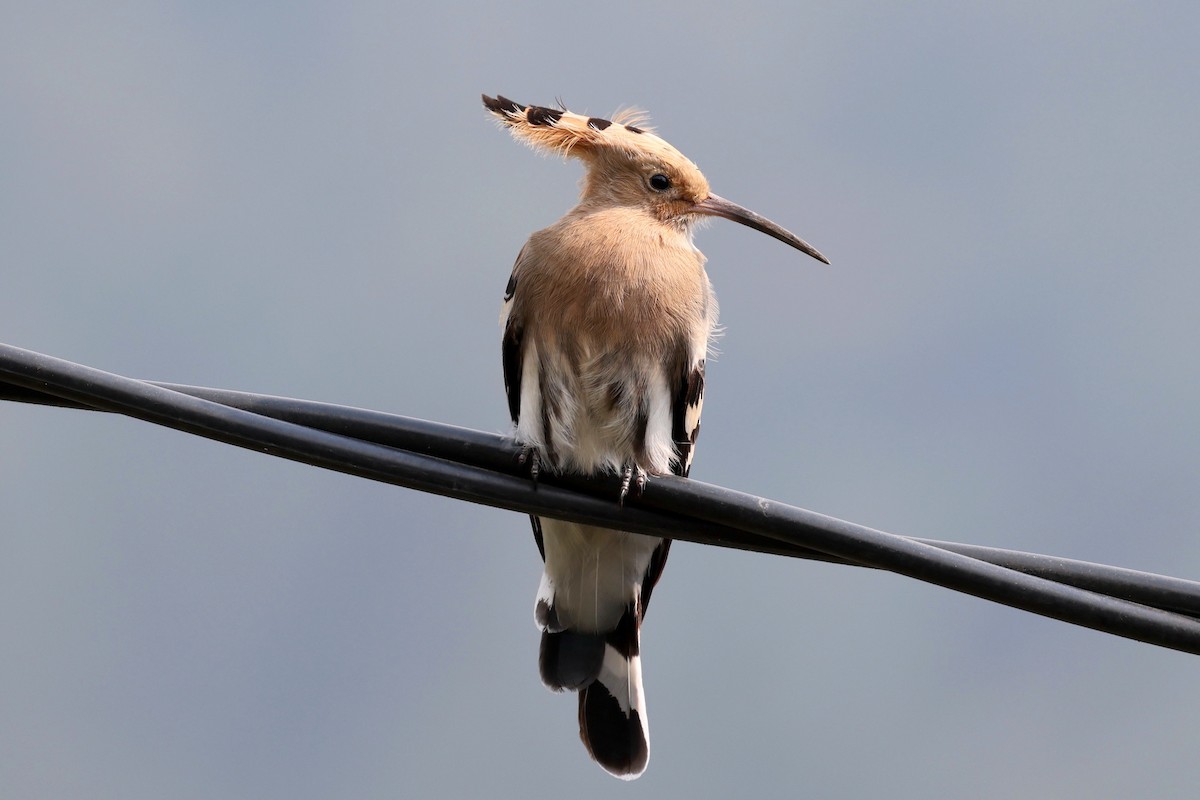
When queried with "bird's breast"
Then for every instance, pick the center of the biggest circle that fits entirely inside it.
(626, 289)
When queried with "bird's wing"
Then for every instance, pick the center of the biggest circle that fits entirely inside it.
(510, 354)
(686, 401)
(510, 348)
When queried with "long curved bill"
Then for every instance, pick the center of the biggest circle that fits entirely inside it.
(715, 206)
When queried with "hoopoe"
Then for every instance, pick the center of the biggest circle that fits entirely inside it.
(607, 319)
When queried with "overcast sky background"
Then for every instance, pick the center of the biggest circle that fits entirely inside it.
(308, 200)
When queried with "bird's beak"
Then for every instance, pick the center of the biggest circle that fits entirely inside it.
(715, 206)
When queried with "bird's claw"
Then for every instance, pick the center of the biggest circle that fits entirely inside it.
(529, 455)
(634, 478)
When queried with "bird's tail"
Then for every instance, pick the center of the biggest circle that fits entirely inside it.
(606, 670)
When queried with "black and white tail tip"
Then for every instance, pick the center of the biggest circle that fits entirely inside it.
(606, 671)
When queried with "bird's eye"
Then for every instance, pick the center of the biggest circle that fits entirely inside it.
(659, 182)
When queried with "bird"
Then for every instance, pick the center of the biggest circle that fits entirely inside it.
(607, 321)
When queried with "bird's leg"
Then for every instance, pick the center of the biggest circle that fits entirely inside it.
(633, 477)
(529, 455)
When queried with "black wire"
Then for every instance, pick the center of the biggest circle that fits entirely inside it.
(495, 452)
(482, 468)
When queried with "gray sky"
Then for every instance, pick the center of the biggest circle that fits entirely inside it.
(309, 200)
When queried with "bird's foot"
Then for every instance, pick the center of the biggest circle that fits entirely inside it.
(529, 455)
(634, 477)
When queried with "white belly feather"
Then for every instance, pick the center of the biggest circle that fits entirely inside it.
(586, 416)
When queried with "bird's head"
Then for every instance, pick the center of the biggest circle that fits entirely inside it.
(628, 165)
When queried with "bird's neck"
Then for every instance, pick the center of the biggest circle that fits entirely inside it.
(631, 223)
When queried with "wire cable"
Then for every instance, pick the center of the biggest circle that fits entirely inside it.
(482, 468)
